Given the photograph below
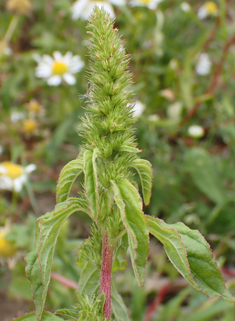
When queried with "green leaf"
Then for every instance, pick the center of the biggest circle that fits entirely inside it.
(191, 255)
(118, 307)
(72, 314)
(89, 280)
(129, 149)
(91, 182)
(67, 177)
(144, 169)
(39, 260)
(201, 167)
(129, 203)
(208, 312)
(46, 316)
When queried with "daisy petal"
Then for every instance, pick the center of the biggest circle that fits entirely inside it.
(30, 168)
(70, 79)
(118, 2)
(107, 7)
(67, 58)
(6, 183)
(57, 55)
(77, 67)
(47, 59)
(78, 8)
(54, 80)
(17, 185)
(3, 169)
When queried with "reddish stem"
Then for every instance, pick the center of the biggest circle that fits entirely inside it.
(68, 283)
(106, 270)
(214, 81)
(153, 306)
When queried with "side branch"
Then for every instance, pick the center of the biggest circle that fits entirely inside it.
(214, 81)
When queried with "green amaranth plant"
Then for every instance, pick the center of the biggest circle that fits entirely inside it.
(111, 199)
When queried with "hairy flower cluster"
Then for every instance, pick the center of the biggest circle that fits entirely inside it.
(107, 124)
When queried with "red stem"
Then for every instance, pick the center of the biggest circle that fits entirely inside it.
(68, 283)
(105, 278)
(153, 306)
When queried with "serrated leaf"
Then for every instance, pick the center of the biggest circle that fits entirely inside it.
(89, 280)
(201, 167)
(67, 177)
(39, 260)
(191, 255)
(46, 316)
(144, 169)
(118, 307)
(129, 203)
(91, 181)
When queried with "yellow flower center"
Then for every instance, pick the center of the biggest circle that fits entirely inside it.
(7, 248)
(211, 7)
(145, 1)
(34, 106)
(59, 68)
(13, 170)
(19, 6)
(29, 126)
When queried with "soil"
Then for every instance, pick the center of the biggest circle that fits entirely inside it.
(11, 308)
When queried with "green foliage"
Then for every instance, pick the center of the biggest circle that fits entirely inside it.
(91, 182)
(39, 260)
(144, 170)
(130, 206)
(191, 255)
(46, 316)
(67, 177)
(201, 167)
(110, 196)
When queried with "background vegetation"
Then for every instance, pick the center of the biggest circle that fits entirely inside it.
(183, 68)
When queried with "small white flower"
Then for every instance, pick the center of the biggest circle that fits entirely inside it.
(13, 176)
(185, 6)
(16, 116)
(83, 8)
(209, 8)
(137, 108)
(8, 51)
(151, 4)
(203, 65)
(195, 131)
(174, 110)
(153, 118)
(58, 68)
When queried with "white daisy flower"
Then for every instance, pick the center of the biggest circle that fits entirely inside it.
(13, 176)
(151, 4)
(83, 8)
(137, 109)
(195, 131)
(16, 116)
(209, 8)
(58, 68)
(185, 6)
(203, 65)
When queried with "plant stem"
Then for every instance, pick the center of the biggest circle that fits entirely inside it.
(11, 28)
(106, 271)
